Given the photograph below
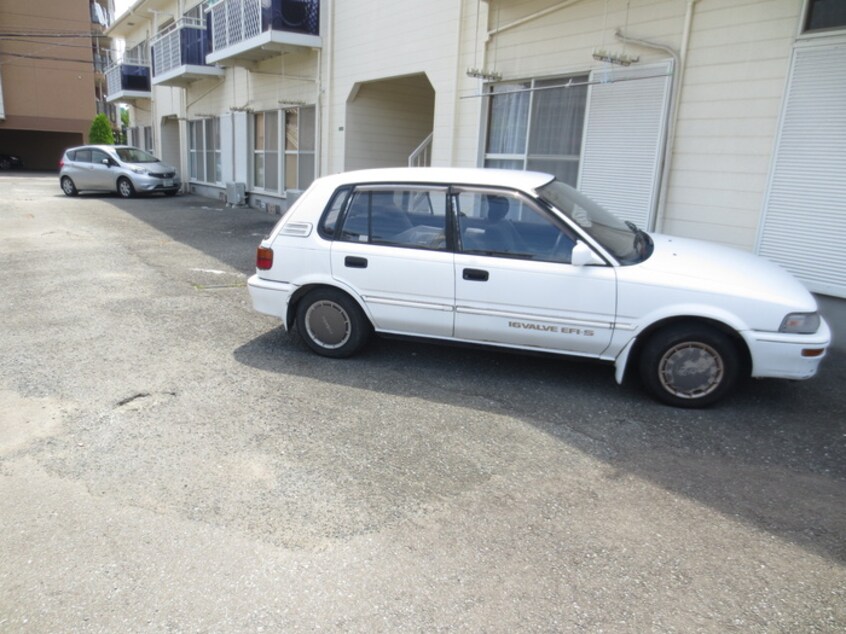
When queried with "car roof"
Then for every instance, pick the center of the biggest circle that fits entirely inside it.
(486, 177)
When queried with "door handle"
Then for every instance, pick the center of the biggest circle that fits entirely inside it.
(475, 275)
(354, 262)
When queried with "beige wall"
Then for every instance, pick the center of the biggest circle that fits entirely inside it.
(52, 90)
(736, 69)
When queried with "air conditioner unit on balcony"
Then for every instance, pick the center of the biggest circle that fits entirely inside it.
(236, 193)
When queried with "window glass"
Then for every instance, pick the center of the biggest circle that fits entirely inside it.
(825, 14)
(98, 156)
(299, 147)
(83, 156)
(509, 119)
(405, 216)
(501, 223)
(538, 125)
(330, 216)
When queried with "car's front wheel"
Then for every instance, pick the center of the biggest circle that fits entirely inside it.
(331, 323)
(690, 365)
(68, 187)
(125, 188)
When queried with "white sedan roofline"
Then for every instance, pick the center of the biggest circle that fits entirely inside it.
(475, 176)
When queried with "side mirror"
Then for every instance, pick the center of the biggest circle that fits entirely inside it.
(106, 162)
(583, 255)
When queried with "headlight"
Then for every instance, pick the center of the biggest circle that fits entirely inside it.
(140, 170)
(801, 323)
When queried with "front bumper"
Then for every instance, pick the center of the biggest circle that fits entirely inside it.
(785, 356)
(148, 184)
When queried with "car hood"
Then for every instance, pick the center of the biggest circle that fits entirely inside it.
(156, 168)
(711, 268)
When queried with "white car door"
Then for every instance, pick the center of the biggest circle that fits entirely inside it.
(392, 251)
(514, 284)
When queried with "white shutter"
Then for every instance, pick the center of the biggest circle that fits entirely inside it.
(623, 143)
(804, 220)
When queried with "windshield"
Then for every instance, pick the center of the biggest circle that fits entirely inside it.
(623, 240)
(134, 155)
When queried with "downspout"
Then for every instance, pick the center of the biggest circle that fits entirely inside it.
(680, 62)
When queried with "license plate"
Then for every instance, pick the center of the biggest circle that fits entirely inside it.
(168, 182)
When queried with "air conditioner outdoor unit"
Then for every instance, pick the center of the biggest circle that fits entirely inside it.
(236, 193)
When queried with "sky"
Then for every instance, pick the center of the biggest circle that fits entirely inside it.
(122, 5)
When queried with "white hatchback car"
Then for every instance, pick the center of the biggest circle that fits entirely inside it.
(523, 261)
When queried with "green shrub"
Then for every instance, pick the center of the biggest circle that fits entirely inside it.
(101, 131)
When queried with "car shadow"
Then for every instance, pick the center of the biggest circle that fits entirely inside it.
(771, 456)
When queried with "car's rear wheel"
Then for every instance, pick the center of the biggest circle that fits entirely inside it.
(125, 188)
(690, 365)
(68, 187)
(331, 323)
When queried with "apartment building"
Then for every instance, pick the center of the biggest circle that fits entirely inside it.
(52, 57)
(723, 120)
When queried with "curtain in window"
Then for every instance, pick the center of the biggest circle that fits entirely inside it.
(509, 119)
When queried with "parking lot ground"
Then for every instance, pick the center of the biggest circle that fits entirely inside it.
(171, 460)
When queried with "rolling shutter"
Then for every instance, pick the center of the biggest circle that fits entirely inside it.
(623, 142)
(804, 219)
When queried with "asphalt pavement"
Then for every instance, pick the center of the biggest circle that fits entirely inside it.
(171, 461)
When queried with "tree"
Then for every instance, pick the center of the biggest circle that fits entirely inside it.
(101, 131)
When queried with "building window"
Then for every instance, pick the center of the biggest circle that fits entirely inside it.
(204, 150)
(292, 168)
(266, 151)
(299, 147)
(537, 125)
(141, 137)
(825, 14)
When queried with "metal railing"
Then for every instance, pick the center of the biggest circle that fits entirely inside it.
(184, 42)
(234, 21)
(422, 154)
(134, 77)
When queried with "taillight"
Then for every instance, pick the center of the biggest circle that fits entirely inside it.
(264, 258)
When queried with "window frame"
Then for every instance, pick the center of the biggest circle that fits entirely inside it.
(532, 86)
(200, 155)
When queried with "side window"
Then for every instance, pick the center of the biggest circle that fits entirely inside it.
(329, 222)
(508, 225)
(402, 216)
(98, 156)
(83, 156)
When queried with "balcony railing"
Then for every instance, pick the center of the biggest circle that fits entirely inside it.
(246, 29)
(128, 81)
(179, 53)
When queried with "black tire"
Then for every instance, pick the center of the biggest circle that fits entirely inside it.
(68, 187)
(171, 192)
(5, 164)
(690, 365)
(125, 189)
(331, 323)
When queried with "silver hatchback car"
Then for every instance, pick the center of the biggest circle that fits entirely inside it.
(123, 169)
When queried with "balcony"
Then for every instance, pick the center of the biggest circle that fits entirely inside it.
(243, 31)
(179, 54)
(128, 82)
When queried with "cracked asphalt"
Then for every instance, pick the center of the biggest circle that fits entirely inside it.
(171, 461)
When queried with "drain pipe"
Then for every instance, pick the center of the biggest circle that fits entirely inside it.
(679, 61)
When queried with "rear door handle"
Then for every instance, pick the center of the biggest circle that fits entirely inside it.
(475, 275)
(354, 262)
